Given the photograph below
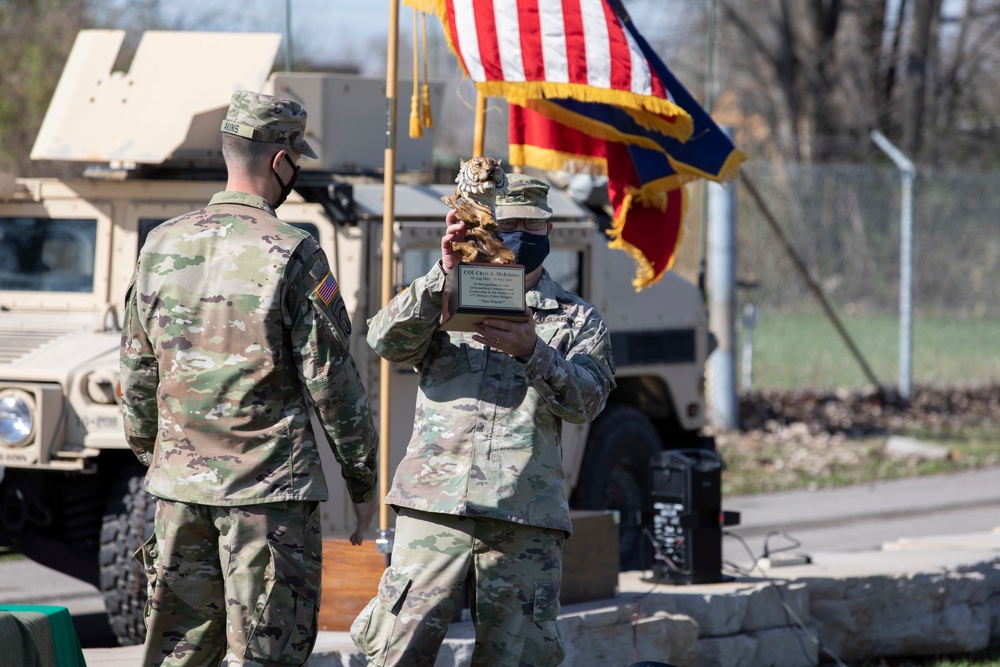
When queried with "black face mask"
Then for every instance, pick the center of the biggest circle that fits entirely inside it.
(529, 249)
(286, 189)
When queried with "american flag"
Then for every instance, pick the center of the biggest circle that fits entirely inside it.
(327, 289)
(588, 93)
(534, 49)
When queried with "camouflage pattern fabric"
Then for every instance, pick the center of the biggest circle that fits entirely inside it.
(516, 571)
(240, 583)
(485, 439)
(526, 197)
(265, 118)
(234, 329)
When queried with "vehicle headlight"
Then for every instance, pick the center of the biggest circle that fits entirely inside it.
(17, 417)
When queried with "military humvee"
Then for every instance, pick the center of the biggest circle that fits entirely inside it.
(71, 492)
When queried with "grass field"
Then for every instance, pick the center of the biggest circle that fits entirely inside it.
(772, 466)
(805, 350)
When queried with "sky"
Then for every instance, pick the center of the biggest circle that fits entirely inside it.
(340, 30)
(340, 33)
(344, 31)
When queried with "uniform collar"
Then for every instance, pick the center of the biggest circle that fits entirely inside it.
(242, 198)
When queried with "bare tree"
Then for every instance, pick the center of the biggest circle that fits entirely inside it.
(920, 59)
(795, 52)
(35, 39)
(824, 73)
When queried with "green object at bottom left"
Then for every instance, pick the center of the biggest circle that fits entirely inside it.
(38, 636)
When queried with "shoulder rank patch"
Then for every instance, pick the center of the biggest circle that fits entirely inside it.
(327, 289)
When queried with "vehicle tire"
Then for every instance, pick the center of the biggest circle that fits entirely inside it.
(616, 475)
(127, 523)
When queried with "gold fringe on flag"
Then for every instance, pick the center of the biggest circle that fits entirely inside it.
(651, 194)
(680, 128)
(416, 127)
(553, 160)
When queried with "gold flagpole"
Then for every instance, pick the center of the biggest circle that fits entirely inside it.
(388, 216)
(479, 136)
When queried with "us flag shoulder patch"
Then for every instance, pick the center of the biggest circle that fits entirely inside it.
(327, 289)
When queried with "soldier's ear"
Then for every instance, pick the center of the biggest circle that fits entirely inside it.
(276, 160)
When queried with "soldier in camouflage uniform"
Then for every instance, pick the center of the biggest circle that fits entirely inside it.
(479, 492)
(234, 332)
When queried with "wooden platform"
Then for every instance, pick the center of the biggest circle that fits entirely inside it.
(350, 579)
(590, 557)
(590, 569)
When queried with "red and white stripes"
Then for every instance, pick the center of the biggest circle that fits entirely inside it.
(532, 49)
(554, 41)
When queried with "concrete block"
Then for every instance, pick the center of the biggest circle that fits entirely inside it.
(731, 651)
(786, 647)
(964, 542)
(662, 637)
(777, 606)
(775, 647)
(716, 615)
(993, 609)
(891, 618)
(729, 609)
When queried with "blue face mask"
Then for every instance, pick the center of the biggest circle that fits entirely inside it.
(529, 249)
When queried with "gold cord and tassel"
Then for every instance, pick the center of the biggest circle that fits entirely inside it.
(416, 126)
(425, 111)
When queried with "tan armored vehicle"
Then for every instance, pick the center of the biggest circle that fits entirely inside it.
(71, 494)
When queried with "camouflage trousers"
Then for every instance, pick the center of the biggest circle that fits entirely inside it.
(232, 585)
(514, 570)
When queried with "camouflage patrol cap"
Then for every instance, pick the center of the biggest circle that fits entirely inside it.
(526, 197)
(265, 118)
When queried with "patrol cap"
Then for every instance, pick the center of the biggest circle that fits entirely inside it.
(526, 197)
(265, 118)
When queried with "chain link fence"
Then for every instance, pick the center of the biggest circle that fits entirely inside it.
(843, 221)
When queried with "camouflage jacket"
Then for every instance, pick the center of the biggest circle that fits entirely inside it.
(485, 438)
(234, 330)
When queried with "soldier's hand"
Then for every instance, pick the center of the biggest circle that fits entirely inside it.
(515, 338)
(454, 232)
(364, 512)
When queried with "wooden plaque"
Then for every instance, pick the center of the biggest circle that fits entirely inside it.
(474, 291)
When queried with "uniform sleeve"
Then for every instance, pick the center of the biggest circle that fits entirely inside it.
(320, 331)
(575, 387)
(139, 376)
(402, 331)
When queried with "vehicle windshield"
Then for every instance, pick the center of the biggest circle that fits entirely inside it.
(45, 255)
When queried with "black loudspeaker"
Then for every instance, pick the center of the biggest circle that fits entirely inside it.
(687, 516)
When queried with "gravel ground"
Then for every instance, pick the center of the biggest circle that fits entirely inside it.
(809, 439)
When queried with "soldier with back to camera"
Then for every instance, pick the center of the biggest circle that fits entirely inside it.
(479, 492)
(234, 333)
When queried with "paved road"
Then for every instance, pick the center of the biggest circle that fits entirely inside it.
(852, 519)
(25, 582)
(864, 517)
